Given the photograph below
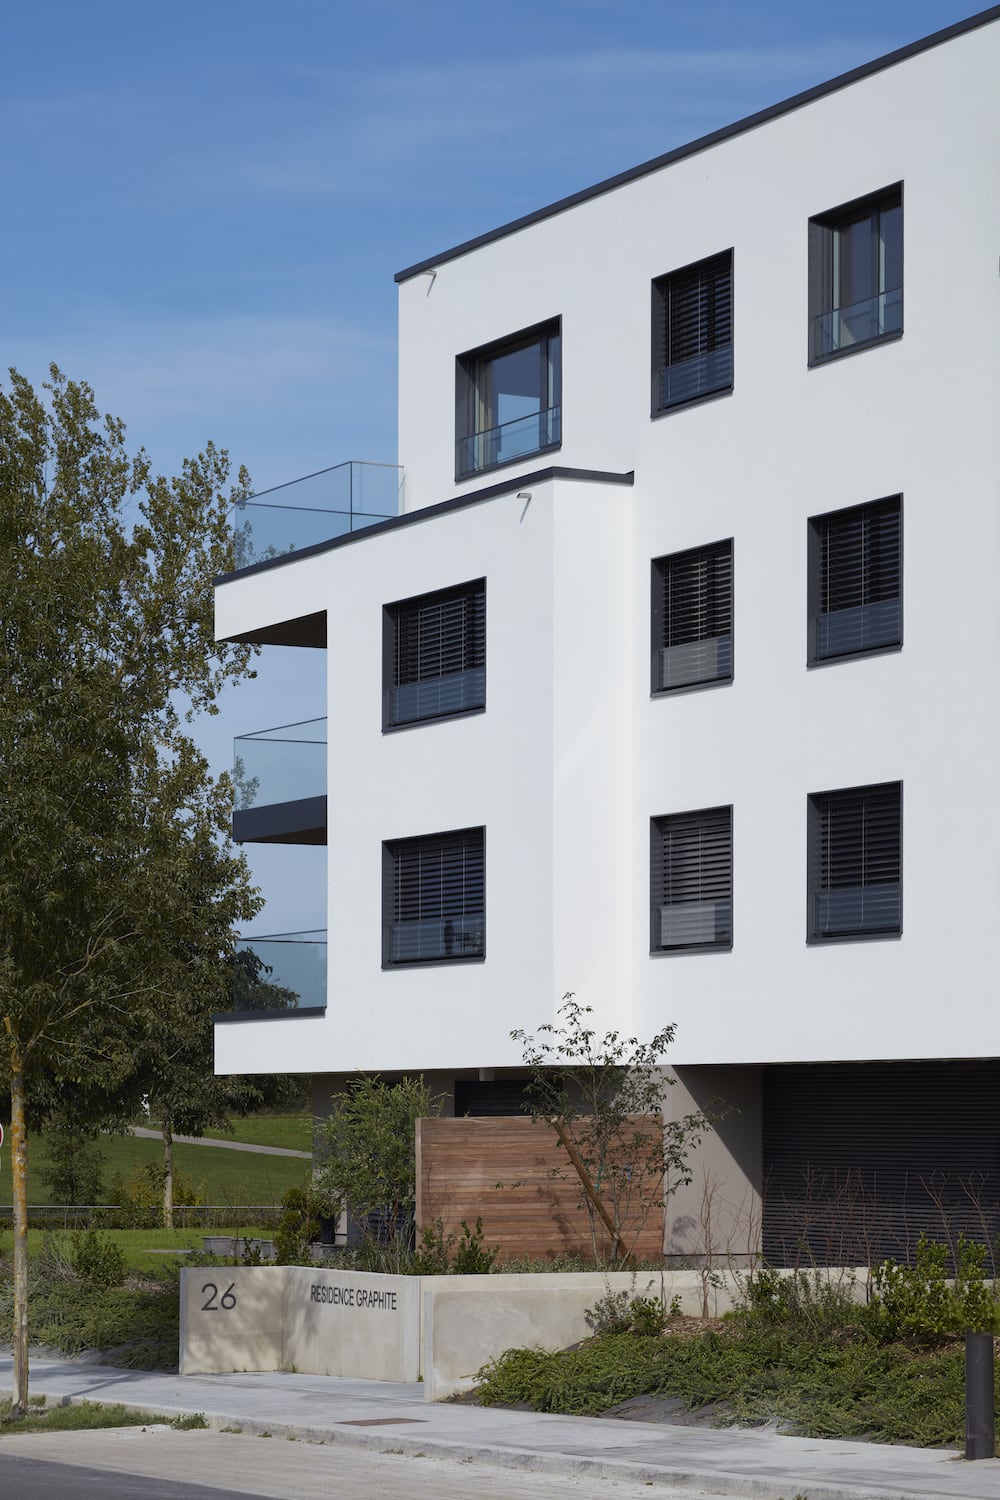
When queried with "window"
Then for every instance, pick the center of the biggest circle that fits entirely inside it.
(435, 655)
(856, 275)
(855, 841)
(693, 333)
(691, 880)
(507, 400)
(855, 580)
(693, 617)
(434, 898)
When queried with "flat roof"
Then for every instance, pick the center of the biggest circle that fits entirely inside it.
(750, 122)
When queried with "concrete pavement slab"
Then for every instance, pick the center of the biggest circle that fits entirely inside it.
(384, 1416)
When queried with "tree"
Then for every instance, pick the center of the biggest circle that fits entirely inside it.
(597, 1094)
(106, 652)
(367, 1154)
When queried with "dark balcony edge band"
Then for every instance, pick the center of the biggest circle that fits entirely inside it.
(302, 821)
(428, 512)
(228, 1017)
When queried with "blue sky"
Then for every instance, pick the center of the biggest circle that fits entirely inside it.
(204, 204)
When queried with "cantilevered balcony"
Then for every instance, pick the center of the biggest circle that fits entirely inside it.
(278, 972)
(314, 509)
(280, 781)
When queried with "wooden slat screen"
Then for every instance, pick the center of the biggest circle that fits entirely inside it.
(460, 1164)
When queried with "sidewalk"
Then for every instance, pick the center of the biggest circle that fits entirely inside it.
(396, 1418)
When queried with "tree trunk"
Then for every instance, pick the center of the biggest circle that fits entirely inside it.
(168, 1175)
(19, 1181)
(618, 1250)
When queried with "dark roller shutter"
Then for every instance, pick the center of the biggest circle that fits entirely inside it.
(498, 1096)
(693, 617)
(435, 897)
(855, 861)
(860, 1158)
(691, 879)
(438, 654)
(695, 334)
(860, 579)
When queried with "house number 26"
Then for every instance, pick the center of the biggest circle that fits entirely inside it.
(226, 1301)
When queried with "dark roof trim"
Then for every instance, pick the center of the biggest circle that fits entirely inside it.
(427, 512)
(714, 138)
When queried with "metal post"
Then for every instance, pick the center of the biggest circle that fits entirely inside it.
(980, 1436)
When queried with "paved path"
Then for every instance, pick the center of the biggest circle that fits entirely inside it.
(207, 1140)
(395, 1420)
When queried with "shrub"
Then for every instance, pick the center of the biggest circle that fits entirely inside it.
(298, 1227)
(624, 1312)
(925, 1303)
(473, 1258)
(75, 1169)
(97, 1259)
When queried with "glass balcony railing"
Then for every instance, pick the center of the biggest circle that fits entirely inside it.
(280, 971)
(863, 322)
(280, 765)
(314, 509)
(517, 439)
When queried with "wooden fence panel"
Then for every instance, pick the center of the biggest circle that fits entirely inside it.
(511, 1171)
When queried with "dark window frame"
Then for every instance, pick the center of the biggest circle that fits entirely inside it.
(825, 239)
(867, 839)
(471, 378)
(459, 845)
(677, 840)
(853, 555)
(683, 337)
(670, 632)
(403, 616)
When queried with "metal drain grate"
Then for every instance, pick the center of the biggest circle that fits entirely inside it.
(379, 1421)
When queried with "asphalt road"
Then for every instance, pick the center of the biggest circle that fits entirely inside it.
(157, 1463)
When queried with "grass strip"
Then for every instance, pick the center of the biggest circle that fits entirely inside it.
(84, 1416)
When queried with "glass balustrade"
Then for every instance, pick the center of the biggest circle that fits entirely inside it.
(280, 971)
(280, 765)
(314, 509)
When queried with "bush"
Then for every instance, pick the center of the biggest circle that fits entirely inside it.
(298, 1227)
(472, 1258)
(924, 1302)
(806, 1303)
(624, 1312)
(97, 1259)
(75, 1169)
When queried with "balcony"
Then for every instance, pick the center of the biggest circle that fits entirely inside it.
(535, 433)
(315, 509)
(282, 971)
(280, 783)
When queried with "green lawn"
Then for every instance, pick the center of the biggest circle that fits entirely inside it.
(146, 1250)
(293, 1132)
(219, 1176)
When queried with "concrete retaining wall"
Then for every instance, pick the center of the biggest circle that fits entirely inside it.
(441, 1329)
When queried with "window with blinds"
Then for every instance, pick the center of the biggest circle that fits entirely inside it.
(691, 880)
(434, 898)
(693, 617)
(435, 655)
(855, 580)
(855, 862)
(693, 332)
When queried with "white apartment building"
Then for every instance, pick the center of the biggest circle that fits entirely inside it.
(665, 686)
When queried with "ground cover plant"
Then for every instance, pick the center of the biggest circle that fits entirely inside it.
(801, 1352)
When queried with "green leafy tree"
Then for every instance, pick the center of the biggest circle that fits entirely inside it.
(106, 651)
(597, 1094)
(366, 1152)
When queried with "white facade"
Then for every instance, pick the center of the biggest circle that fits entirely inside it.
(573, 756)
